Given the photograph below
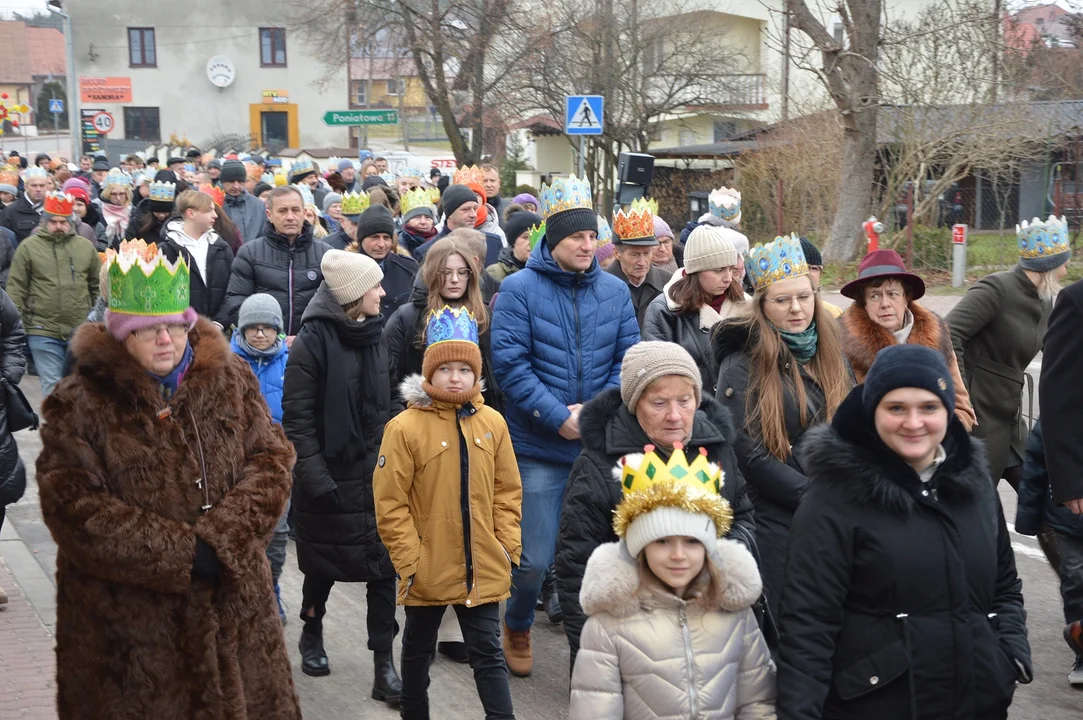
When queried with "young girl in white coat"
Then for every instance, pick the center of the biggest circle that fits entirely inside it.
(670, 632)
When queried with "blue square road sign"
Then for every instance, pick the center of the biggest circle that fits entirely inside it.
(584, 114)
(56, 105)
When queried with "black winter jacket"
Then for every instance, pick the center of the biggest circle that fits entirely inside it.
(21, 218)
(336, 401)
(398, 282)
(1036, 507)
(774, 486)
(289, 272)
(492, 254)
(901, 600)
(208, 295)
(609, 432)
(339, 240)
(1061, 394)
(12, 367)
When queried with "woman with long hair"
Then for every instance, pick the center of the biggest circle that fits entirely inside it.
(782, 371)
(706, 291)
(116, 206)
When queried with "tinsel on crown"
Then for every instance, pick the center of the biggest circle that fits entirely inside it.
(413, 199)
(468, 174)
(636, 223)
(58, 203)
(117, 178)
(779, 259)
(354, 203)
(450, 324)
(410, 172)
(647, 483)
(306, 194)
(162, 191)
(568, 193)
(537, 232)
(1043, 239)
(725, 203)
(143, 282)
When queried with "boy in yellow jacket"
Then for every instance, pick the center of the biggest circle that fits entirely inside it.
(448, 505)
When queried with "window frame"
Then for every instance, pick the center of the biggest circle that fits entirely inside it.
(144, 33)
(272, 33)
(360, 95)
(139, 111)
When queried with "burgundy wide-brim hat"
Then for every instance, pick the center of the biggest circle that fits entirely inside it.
(883, 264)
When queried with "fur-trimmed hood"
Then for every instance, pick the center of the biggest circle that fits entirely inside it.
(412, 390)
(731, 337)
(611, 582)
(863, 338)
(708, 318)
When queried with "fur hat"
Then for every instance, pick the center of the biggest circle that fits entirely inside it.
(650, 360)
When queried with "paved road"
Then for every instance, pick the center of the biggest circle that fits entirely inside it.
(345, 693)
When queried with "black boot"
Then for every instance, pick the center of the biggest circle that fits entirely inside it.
(313, 658)
(387, 686)
(550, 599)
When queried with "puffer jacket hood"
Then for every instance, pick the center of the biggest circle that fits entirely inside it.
(646, 653)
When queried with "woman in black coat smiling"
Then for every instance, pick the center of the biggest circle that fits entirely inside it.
(901, 599)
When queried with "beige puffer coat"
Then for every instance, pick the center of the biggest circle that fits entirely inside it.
(645, 656)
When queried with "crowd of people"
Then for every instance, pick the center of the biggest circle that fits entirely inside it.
(739, 500)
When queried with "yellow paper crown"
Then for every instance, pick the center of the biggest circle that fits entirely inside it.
(467, 174)
(635, 224)
(647, 483)
(354, 203)
(413, 199)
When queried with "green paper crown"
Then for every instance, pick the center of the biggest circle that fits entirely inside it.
(354, 203)
(143, 282)
(537, 232)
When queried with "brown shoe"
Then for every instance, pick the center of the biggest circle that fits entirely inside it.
(1073, 634)
(517, 652)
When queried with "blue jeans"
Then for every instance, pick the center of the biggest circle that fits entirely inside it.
(543, 498)
(48, 356)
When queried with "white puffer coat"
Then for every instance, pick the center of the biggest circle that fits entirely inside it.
(649, 656)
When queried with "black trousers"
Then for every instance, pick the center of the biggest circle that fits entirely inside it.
(1071, 575)
(481, 633)
(380, 594)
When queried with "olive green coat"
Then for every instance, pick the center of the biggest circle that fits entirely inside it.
(997, 329)
(54, 283)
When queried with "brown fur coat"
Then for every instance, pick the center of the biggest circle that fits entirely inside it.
(863, 339)
(137, 636)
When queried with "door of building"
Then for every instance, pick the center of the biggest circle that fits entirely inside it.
(275, 130)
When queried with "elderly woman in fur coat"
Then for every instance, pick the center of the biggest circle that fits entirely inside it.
(162, 478)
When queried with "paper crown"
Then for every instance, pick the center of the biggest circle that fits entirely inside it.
(143, 282)
(253, 171)
(434, 194)
(354, 203)
(467, 174)
(451, 324)
(332, 164)
(190, 168)
(216, 194)
(9, 176)
(647, 482)
(651, 204)
(725, 203)
(59, 203)
(119, 178)
(138, 178)
(537, 232)
(268, 178)
(1043, 239)
(410, 172)
(779, 259)
(413, 199)
(306, 194)
(37, 173)
(301, 167)
(568, 193)
(605, 232)
(636, 224)
(162, 191)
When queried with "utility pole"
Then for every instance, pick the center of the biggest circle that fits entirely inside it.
(73, 86)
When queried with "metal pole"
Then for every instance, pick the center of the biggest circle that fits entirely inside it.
(582, 156)
(73, 88)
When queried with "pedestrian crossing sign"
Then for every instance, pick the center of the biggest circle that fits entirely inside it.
(583, 114)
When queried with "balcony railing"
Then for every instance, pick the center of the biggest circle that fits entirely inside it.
(736, 91)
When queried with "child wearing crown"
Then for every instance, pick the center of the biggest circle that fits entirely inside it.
(671, 632)
(448, 506)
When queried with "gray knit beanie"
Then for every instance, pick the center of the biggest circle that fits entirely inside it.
(330, 199)
(709, 248)
(647, 361)
(260, 309)
(349, 275)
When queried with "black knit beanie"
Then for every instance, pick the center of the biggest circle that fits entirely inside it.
(377, 219)
(562, 224)
(233, 171)
(907, 366)
(812, 253)
(518, 223)
(454, 197)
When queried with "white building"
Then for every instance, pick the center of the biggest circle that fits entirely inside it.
(202, 71)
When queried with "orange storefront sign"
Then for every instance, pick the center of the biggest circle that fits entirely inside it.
(105, 89)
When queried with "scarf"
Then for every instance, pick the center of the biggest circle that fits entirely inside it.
(255, 354)
(168, 384)
(669, 267)
(717, 302)
(803, 344)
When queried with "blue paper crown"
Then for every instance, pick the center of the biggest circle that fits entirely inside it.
(301, 167)
(190, 168)
(451, 324)
(780, 259)
(411, 172)
(725, 203)
(605, 232)
(306, 193)
(388, 177)
(162, 191)
(268, 178)
(562, 194)
(36, 172)
(118, 178)
(1043, 239)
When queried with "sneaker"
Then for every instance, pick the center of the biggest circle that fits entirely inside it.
(281, 606)
(517, 652)
(1073, 635)
(1076, 676)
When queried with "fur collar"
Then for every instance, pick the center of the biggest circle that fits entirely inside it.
(611, 580)
(413, 392)
(863, 338)
(733, 337)
(849, 457)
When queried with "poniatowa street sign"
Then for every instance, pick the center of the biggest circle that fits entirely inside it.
(361, 117)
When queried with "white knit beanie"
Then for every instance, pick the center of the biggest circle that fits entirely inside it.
(349, 275)
(668, 521)
(710, 248)
(649, 360)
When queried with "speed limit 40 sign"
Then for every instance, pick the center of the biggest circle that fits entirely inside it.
(103, 122)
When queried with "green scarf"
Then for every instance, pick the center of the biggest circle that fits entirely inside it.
(803, 344)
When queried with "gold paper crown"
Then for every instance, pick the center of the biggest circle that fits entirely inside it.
(635, 224)
(467, 174)
(354, 203)
(647, 483)
(537, 232)
(414, 199)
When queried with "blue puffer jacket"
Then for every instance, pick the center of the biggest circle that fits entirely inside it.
(557, 339)
(270, 372)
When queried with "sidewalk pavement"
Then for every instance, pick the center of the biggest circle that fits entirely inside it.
(28, 675)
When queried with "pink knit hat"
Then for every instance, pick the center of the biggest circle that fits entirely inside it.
(75, 182)
(121, 325)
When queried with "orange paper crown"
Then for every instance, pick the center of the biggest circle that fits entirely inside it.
(468, 174)
(635, 224)
(59, 203)
(216, 194)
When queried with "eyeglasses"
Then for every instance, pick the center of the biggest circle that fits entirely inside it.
(261, 330)
(783, 302)
(463, 273)
(176, 331)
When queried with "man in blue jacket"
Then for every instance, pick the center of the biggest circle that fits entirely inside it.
(560, 329)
